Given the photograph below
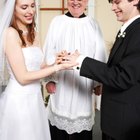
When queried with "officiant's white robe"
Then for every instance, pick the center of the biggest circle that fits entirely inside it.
(72, 108)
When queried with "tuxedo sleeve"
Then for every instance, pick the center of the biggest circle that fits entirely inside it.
(121, 76)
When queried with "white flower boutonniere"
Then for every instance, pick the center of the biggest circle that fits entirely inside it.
(122, 34)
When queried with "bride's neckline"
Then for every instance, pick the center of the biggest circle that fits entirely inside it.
(31, 47)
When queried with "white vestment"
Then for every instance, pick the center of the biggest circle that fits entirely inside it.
(71, 108)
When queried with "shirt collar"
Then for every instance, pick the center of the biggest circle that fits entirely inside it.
(128, 23)
(70, 15)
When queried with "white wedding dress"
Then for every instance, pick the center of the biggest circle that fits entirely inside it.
(22, 111)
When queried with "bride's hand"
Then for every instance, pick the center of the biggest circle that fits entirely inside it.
(65, 60)
(60, 56)
(71, 58)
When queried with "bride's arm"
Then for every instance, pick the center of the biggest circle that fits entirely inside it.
(15, 57)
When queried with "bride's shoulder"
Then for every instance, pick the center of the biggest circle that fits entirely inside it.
(11, 37)
(11, 32)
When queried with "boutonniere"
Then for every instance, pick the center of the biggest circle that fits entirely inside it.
(122, 34)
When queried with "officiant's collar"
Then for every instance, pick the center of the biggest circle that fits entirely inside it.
(69, 15)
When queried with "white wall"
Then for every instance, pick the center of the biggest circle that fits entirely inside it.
(107, 21)
(46, 16)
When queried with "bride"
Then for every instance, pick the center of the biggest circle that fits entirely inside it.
(22, 111)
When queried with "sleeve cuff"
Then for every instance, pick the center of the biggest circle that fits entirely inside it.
(79, 61)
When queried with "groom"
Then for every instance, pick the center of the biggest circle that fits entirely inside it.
(120, 106)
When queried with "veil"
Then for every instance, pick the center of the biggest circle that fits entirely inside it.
(6, 13)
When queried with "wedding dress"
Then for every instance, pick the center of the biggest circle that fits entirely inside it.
(22, 111)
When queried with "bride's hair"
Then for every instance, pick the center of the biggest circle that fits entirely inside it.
(30, 34)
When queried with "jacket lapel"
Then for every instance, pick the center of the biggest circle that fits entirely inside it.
(115, 47)
(119, 40)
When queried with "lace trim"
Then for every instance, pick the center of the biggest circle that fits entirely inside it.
(71, 126)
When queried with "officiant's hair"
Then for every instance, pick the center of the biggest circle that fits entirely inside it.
(137, 5)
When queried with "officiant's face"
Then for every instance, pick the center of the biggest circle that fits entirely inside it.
(77, 7)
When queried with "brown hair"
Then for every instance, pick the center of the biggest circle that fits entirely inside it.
(30, 34)
(137, 5)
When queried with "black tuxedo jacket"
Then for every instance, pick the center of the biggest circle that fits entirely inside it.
(120, 105)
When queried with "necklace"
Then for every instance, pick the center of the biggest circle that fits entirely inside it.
(24, 32)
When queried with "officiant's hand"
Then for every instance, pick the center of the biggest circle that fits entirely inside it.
(51, 87)
(98, 90)
(60, 56)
